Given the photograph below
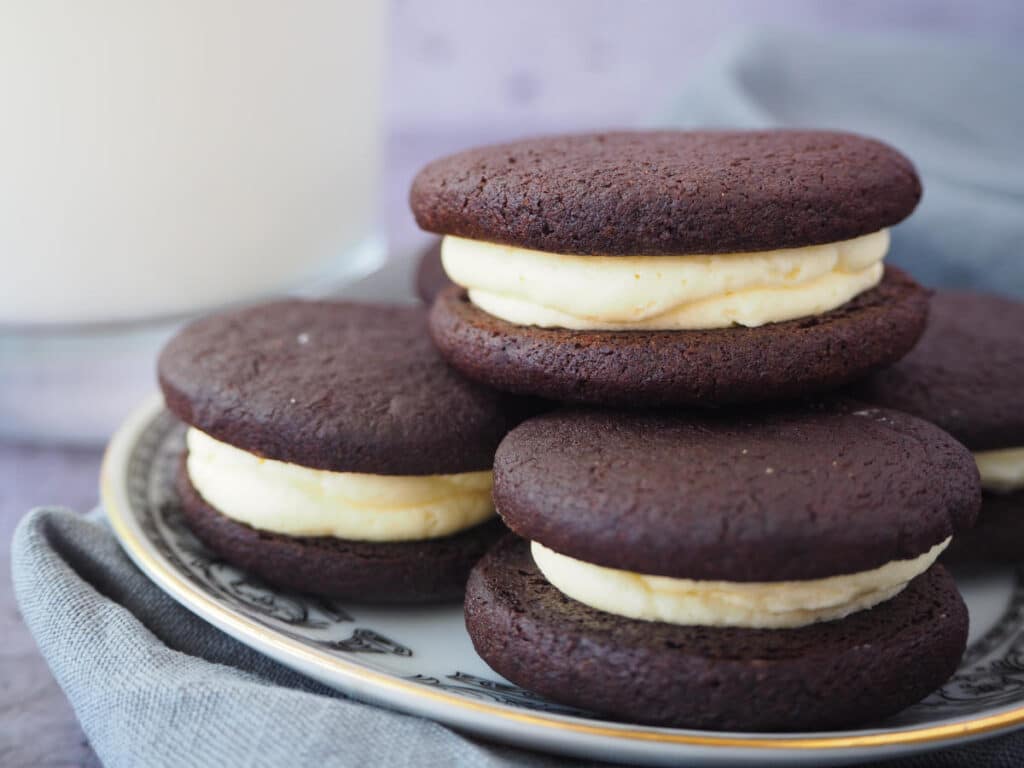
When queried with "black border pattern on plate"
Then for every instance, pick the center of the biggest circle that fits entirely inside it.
(991, 674)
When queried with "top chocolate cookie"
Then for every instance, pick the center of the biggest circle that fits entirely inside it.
(668, 192)
(966, 374)
(337, 386)
(801, 491)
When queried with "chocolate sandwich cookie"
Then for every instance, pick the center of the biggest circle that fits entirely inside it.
(817, 677)
(966, 375)
(749, 570)
(659, 268)
(373, 571)
(430, 276)
(662, 368)
(331, 450)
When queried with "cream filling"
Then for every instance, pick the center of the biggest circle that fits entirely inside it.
(299, 501)
(765, 605)
(1001, 471)
(528, 287)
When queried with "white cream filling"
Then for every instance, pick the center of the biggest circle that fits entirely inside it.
(300, 501)
(1001, 471)
(767, 605)
(528, 287)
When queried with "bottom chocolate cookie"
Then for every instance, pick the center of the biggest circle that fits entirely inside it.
(659, 368)
(433, 570)
(837, 674)
(997, 537)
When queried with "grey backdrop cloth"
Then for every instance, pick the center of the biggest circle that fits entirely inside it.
(153, 685)
(956, 111)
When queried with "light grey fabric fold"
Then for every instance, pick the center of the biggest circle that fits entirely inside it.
(154, 685)
(955, 110)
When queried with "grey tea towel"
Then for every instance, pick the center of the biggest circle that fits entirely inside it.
(154, 685)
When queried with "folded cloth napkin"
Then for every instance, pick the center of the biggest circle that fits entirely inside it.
(154, 685)
(955, 110)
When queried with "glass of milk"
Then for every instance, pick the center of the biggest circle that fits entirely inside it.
(166, 158)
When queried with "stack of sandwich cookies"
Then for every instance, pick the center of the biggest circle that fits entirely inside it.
(967, 376)
(331, 450)
(760, 570)
(663, 268)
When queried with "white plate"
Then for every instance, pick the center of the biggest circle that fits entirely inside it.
(420, 660)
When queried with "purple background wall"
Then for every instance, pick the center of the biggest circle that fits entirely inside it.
(463, 72)
(570, 63)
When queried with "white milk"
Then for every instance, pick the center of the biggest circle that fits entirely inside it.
(159, 157)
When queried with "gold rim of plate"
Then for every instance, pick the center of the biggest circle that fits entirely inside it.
(115, 502)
